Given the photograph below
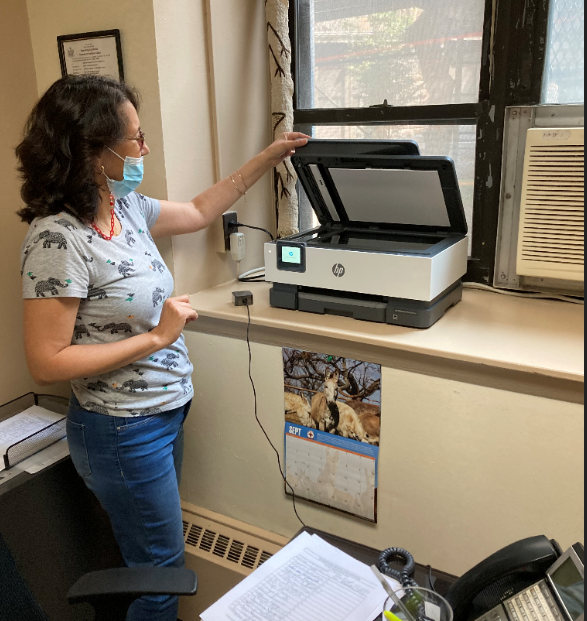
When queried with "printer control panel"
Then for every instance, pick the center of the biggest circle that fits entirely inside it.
(291, 256)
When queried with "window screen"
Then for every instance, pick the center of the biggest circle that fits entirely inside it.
(415, 52)
(564, 78)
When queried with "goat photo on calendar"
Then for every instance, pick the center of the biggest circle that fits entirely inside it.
(333, 395)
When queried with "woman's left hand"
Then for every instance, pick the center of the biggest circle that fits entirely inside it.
(285, 147)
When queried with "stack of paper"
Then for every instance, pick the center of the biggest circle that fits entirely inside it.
(24, 425)
(309, 580)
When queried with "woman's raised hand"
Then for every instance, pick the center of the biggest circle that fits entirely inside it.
(285, 147)
(177, 313)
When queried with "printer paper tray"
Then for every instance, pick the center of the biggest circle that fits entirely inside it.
(393, 311)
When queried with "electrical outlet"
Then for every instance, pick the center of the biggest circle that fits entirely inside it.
(229, 220)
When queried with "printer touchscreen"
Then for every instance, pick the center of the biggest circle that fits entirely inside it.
(291, 254)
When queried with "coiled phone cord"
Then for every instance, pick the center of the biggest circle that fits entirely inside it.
(405, 576)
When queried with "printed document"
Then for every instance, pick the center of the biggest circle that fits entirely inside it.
(309, 580)
(22, 426)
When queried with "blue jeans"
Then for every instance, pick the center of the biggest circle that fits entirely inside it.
(133, 466)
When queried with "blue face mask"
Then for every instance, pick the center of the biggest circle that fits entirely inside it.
(134, 172)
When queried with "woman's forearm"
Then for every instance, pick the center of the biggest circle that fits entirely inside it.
(181, 218)
(84, 361)
(221, 197)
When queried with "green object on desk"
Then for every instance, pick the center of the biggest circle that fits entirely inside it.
(396, 600)
(390, 616)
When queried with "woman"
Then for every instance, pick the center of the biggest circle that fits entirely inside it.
(98, 310)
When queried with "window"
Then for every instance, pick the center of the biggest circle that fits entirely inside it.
(368, 51)
(440, 73)
(564, 81)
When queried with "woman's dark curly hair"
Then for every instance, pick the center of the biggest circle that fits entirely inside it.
(64, 136)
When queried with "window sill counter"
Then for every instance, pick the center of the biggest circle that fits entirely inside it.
(522, 345)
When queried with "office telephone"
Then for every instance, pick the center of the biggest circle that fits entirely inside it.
(531, 580)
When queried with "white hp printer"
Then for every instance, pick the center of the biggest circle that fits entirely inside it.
(392, 242)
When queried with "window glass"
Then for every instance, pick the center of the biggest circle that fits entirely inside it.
(564, 78)
(455, 141)
(358, 53)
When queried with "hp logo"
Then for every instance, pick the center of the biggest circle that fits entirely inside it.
(339, 270)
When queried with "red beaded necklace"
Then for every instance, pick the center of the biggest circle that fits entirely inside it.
(113, 221)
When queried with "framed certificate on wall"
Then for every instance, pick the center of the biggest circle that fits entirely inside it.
(92, 53)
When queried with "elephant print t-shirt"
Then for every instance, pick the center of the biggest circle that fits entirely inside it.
(122, 285)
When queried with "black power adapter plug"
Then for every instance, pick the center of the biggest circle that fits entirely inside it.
(242, 298)
(230, 226)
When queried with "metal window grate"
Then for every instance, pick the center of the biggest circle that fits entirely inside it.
(565, 65)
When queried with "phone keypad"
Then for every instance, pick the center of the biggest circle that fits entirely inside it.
(535, 604)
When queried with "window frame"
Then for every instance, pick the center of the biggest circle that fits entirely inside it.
(514, 49)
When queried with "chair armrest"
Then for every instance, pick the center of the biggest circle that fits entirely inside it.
(133, 582)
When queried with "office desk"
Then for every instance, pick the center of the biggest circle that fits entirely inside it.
(369, 556)
(56, 531)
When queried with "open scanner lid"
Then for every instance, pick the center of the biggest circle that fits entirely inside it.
(383, 185)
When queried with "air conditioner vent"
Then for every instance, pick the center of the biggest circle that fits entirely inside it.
(230, 546)
(207, 541)
(221, 546)
(235, 553)
(194, 535)
(251, 557)
(552, 235)
(265, 556)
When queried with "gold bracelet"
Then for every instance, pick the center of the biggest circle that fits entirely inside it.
(243, 181)
(236, 186)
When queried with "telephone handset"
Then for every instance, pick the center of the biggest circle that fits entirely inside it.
(519, 583)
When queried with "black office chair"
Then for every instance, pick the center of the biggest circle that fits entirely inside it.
(110, 592)
(16, 601)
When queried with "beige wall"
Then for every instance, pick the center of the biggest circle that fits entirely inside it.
(181, 33)
(172, 53)
(464, 470)
(216, 117)
(17, 96)
(52, 18)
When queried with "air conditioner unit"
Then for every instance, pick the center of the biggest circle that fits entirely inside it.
(551, 242)
(540, 242)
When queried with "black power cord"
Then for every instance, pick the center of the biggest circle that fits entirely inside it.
(281, 471)
(405, 576)
(255, 228)
(256, 277)
(431, 579)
